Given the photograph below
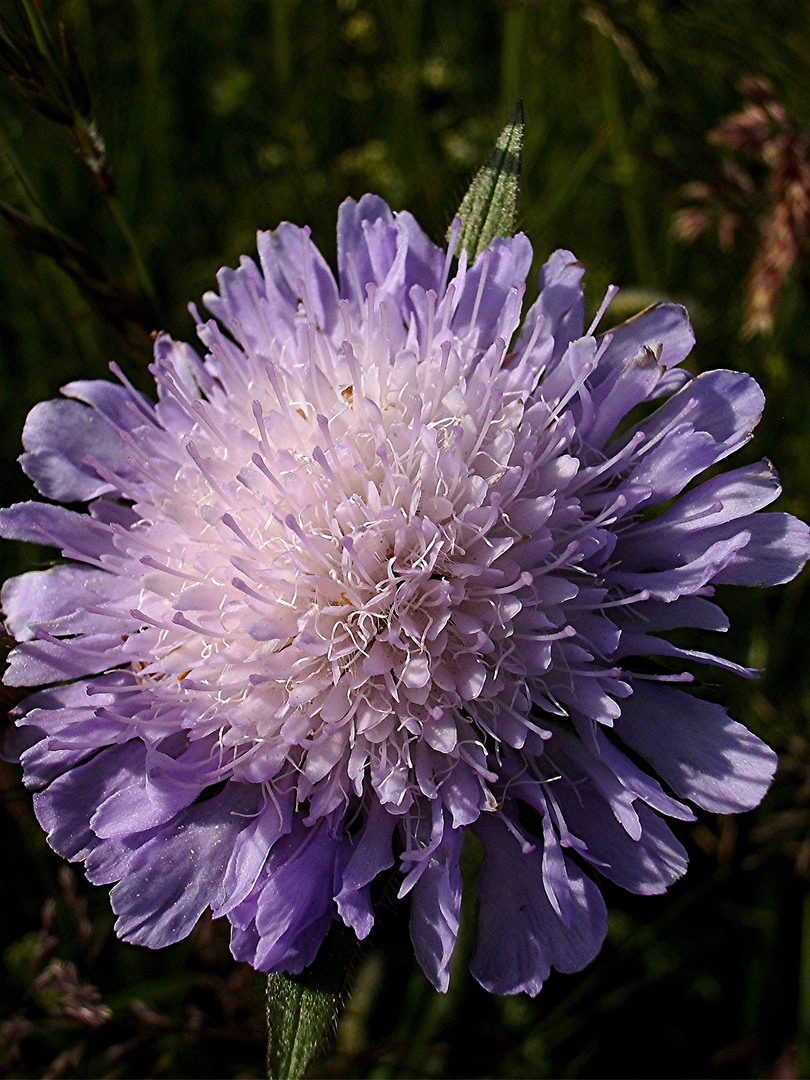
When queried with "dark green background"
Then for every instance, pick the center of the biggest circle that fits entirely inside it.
(224, 116)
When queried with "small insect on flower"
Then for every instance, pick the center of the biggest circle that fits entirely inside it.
(383, 566)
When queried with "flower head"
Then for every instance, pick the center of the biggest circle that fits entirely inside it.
(383, 567)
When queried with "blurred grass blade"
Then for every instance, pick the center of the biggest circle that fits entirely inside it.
(16, 176)
(39, 28)
(53, 82)
(120, 309)
(48, 241)
(302, 1010)
(489, 208)
(74, 74)
(32, 73)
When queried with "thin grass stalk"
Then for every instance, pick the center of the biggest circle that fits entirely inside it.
(514, 28)
(624, 165)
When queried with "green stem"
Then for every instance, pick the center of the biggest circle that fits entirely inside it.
(550, 208)
(415, 154)
(513, 36)
(141, 272)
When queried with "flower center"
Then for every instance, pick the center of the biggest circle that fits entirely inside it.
(339, 591)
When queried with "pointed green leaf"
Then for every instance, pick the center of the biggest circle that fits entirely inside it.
(489, 208)
(302, 1009)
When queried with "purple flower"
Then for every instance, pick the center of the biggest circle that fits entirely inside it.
(386, 566)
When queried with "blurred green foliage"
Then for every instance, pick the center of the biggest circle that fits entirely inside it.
(224, 116)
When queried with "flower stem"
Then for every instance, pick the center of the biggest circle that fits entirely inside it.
(302, 1010)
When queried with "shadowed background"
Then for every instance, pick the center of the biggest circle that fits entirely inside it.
(223, 116)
